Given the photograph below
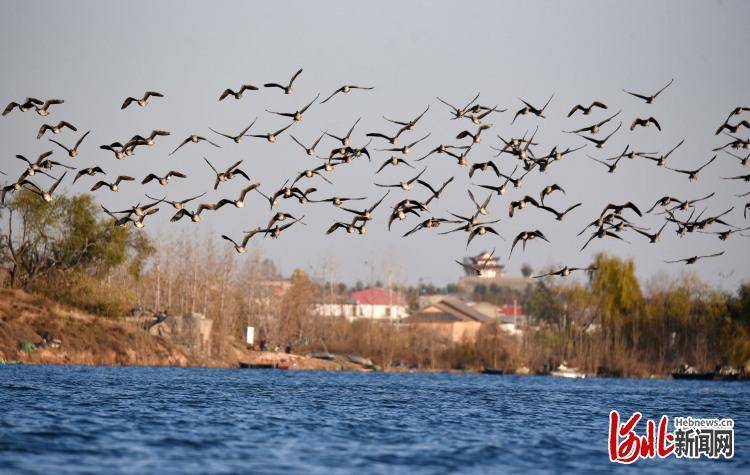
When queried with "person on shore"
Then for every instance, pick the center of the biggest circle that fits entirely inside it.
(288, 348)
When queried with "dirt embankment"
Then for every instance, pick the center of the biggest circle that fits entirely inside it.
(34, 329)
(74, 337)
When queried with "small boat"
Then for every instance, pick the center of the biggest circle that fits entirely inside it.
(690, 373)
(322, 355)
(493, 371)
(693, 376)
(360, 360)
(564, 371)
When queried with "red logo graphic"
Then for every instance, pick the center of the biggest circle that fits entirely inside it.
(625, 446)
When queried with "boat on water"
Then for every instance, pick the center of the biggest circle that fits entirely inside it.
(722, 373)
(564, 371)
(494, 371)
(322, 355)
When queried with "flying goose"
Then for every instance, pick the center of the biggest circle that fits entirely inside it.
(600, 142)
(458, 113)
(115, 147)
(404, 185)
(236, 138)
(483, 167)
(90, 171)
(366, 214)
(586, 110)
(311, 149)
(25, 106)
(296, 116)
(649, 99)
(238, 203)
(441, 149)
(237, 95)
(462, 159)
(72, 152)
(55, 129)
(275, 231)
(345, 139)
(693, 174)
(481, 229)
(726, 233)
(476, 136)
(288, 88)
(430, 223)
(548, 190)
(407, 126)
(652, 238)
(337, 200)
(406, 149)
(529, 109)
(593, 128)
(309, 173)
(476, 118)
(565, 271)
(44, 109)
(499, 189)
(601, 233)
(733, 128)
(661, 160)
(526, 236)
(687, 204)
(137, 209)
(644, 123)
(177, 204)
(350, 228)
(516, 182)
(41, 163)
(241, 248)
(348, 153)
(271, 136)
(618, 209)
(560, 215)
(124, 220)
(477, 270)
(15, 186)
(228, 174)
(612, 166)
(739, 177)
(743, 160)
(394, 161)
(280, 216)
(400, 213)
(521, 204)
(150, 140)
(736, 143)
(143, 101)
(45, 195)
(736, 111)
(115, 185)
(163, 180)
(345, 89)
(481, 208)
(694, 259)
(436, 193)
(194, 139)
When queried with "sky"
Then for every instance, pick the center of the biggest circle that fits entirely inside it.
(94, 54)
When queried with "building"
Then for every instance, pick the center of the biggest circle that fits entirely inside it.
(489, 266)
(373, 303)
(450, 318)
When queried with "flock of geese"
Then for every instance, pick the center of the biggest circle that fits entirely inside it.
(513, 159)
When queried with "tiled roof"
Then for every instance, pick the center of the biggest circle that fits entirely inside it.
(378, 296)
(449, 310)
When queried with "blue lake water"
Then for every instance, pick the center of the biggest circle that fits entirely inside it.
(175, 420)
